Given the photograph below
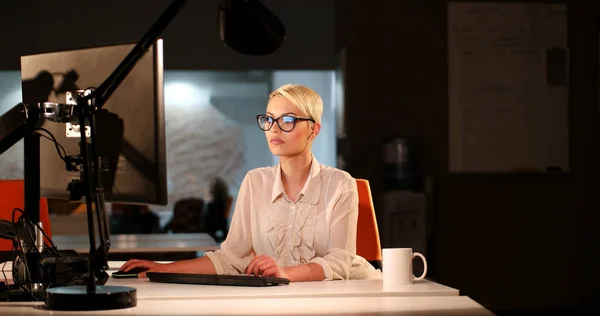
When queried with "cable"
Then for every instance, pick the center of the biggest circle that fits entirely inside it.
(62, 154)
(54, 248)
(17, 235)
(67, 272)
(30, 227)
(58, 146)
(4, 271)
(21, 256)
(33, 226)
(18, 282)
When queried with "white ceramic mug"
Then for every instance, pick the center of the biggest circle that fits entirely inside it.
(397, 266)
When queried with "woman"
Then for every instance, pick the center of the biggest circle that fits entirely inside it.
(296, 220)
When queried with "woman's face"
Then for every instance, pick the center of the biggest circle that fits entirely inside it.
(294, 142)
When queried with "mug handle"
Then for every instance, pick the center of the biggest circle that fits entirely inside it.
(417, 254)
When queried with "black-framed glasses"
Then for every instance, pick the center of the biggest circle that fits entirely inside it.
(286, 123)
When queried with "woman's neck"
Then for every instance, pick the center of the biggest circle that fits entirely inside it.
(294, 172)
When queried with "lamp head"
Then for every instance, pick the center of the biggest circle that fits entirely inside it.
(248, 27)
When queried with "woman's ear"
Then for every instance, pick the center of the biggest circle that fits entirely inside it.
(316, 128)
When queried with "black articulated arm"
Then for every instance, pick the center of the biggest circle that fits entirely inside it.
(16, 232)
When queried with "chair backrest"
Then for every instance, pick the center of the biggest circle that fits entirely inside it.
(12, 195)
(368, 244)
(187, 216)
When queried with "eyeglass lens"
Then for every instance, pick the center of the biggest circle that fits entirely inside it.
(286, 123)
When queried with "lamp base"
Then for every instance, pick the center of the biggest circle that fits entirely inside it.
(76, 298)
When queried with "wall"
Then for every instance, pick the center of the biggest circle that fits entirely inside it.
(191, 40)
(511, 242)
(211, 131)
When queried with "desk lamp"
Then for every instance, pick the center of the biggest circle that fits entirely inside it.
(246, 26)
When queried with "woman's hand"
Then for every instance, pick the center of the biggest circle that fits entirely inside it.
(265, 266)
(149, 266)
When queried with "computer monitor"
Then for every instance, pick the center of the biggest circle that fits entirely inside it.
(130, 129)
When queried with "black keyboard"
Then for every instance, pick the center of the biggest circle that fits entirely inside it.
(215, 279)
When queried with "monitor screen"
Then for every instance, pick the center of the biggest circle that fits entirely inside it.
(130, 128)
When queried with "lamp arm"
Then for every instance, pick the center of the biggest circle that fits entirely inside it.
(108, 87)
(87, 105)
(14, 231)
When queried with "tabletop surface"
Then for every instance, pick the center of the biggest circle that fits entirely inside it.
(141, 242)
(361, 288)
(423, 305)
(347, 288)
(352, 297)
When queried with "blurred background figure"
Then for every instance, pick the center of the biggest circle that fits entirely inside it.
(133, 219)
(187, 217)
(217, 212)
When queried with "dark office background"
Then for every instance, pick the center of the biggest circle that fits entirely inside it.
(511, 242)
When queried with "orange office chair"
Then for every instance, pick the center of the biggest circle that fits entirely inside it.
(12, 195)
(368, 245)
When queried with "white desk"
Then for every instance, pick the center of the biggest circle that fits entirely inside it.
(445, 305)
(353, 297)
(346, 288)
(141, 243)
(147, 290)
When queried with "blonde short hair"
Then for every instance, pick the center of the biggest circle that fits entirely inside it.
(306, 99)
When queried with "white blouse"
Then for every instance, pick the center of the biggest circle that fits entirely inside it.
(319, 227)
